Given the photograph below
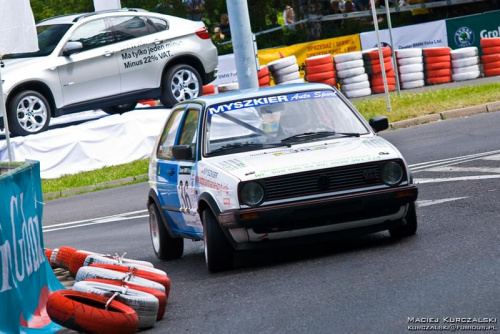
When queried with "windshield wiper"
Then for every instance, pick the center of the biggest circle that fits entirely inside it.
(319, 134)
(236, 146)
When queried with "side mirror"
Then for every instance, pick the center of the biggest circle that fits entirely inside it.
(379, 123)
(72, 47)
(182, 152)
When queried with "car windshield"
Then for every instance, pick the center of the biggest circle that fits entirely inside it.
(279, 120)
(48, 38)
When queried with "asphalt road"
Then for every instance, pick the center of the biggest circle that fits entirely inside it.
(369, 284)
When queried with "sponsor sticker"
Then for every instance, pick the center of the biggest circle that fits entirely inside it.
(464, 37)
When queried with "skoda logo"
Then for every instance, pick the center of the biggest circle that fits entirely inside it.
(323, 182)
(464, 36)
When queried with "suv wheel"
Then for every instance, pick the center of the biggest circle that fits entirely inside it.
(180, 83)
(409, 226)
(120, 109)
(218, 251)
(165, 247)
(28, 113)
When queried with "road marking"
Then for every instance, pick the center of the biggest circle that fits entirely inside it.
(437, 201)
(453, 161)
(464, 169)
(452, 179)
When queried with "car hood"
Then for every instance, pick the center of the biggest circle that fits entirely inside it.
(305, 157)
(14, 64)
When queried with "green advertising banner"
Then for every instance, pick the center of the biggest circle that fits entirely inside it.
(468, 30)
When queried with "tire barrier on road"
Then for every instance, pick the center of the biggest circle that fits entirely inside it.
(321, 69)
(63, 256)
(285, 70)
(410, 64)
(437, 63)
(490, 59)
(350, 65)
(208, 89)
(263, 76)
(374, 69)
(468, 72)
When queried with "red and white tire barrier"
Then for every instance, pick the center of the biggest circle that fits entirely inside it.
(285, 70)
(264, 76)
(462, 72)
(437, 63)
(350, 65)
(410, 68)
(321, 69)
(374, 69)
(490, 48)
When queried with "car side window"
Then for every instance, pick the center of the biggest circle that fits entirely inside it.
(189, 130)
(169, 134)
(129, 27)
(93, 34)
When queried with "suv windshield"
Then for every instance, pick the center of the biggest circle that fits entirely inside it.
(48, 38)
(271, 121)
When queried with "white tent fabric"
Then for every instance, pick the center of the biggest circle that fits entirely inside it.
(108, 141)
(17, 27)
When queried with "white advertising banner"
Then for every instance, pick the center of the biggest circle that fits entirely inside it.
(424, 35)
(106, 5)
(226, 70)
(17, 27)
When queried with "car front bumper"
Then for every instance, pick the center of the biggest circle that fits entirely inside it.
(324, 218)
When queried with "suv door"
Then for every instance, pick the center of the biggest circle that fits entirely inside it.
(93, 72)
(176, 178)
(141, 55)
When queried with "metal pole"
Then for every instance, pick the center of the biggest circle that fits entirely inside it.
(245, 52)
(380, 56)
(5, 121)
(394, 60)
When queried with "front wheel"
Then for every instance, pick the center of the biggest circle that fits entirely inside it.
(218, 251)
(120, 109)
(165, 247)
(180, 83)
(28, 113)
(409, 226)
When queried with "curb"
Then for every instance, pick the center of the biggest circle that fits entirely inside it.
(449, 114)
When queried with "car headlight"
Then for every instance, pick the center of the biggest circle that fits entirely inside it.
(391, 173)
(252, 193)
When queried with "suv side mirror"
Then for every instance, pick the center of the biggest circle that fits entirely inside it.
(379, 123)
(181, 152)
(72, 47)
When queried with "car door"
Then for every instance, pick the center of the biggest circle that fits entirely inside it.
(176, 178)
(93, 72)
(141, 54)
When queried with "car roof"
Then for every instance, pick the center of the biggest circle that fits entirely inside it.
(72, 18)
(257, 92)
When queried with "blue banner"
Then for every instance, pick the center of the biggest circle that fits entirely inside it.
(26, 280)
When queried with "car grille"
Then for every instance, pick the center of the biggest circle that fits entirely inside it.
(323, 181)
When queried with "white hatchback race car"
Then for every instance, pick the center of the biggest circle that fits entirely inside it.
(262, 168)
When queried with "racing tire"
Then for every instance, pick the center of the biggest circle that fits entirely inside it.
(381, 89)
(380, 81)
(374, 53)
(409, 226)
(489, 42)
(410, 61)
(88, 313)
(466, 69)
(264, 81)
(180, 83)
(286, 77)
(408, 53)
(286, 70)
(145, 304)
(491, 50)
(355, 86)
(356, 78)
(28, 113)
(281, 63)
(437, 66)
(77, 261)
(380, 75)
(492, 72)
(373, 69)
(465, 62)
(119, 109)
(412, 84)
(437, 59)
(358, 93)
(438, 51)
(330, 82)
(108, 259)
(263, 71)
(352, 72)
(411, 68)
(465, 76)
(438, 80)
(320, 68)
(85, 273)
(52, 260)
(161, 296)
(490, 58)
(405, 77)
(232, 86)
(319, 60)
(438, 73)
(492, 65)
(208, 89)
(299, 80)
(164, 246)
(349, 56)
(376, 61)
(48, 254)
(320, 76)
(218, 251)
(464, 53)
(349, 64)
(63, 257)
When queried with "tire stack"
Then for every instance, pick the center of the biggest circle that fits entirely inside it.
(437, 63)
(374, 69)
(352, 75)
(285, 70)
(263, 76)
(208, 89)
(465, 64)
(136, 292)
(490, 48)
(321, 69)
(410, 68)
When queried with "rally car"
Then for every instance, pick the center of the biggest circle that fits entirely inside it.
(273, 166)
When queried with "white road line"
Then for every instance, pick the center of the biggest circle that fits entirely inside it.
(452, 161)
(437, 201)
(464, 169)
(95, 222)
(451, 179)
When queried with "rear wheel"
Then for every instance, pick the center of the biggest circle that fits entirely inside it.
(165, 247)
(218, 251)
(29, 113)
(120, 109)
(180, 83)
(409, 226)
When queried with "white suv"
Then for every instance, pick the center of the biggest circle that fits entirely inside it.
(105, 60)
